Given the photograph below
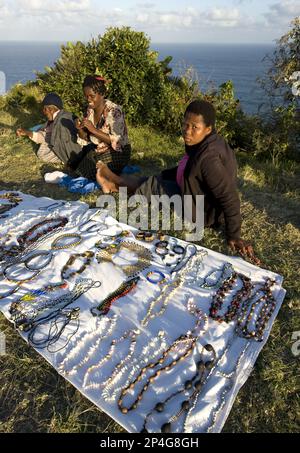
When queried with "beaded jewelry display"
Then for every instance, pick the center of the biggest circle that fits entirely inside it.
(195, 382)
(132, 336)
(132, 270)
(104, 307)
(103, 330)
(58, 243)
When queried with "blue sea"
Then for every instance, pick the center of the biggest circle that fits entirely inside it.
(212, 64)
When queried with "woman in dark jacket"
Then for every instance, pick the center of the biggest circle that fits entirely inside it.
(208, 168)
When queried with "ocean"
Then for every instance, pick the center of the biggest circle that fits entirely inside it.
(212, 64)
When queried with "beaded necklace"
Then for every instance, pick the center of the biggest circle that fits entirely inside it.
(218, 299)
(227, 267)
(215, 412)
(130, 335)
(24, 313)
(87, 256)
(46, 227)
(104, 307)
(213, 368)
(187, 341)
(164, 297)
(58, 243)
(196, 381)
(245, 317)
(103, 330)
(153, 349)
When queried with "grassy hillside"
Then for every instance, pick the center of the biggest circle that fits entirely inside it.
(34, 398)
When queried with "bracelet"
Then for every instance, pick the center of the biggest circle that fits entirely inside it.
(35, 255)
(145, 236)
(162, 244)
(55, 244)
(178, 249)
(14, 280)
(161, 277)
(161, 251)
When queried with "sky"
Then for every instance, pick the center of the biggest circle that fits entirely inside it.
(170, 21)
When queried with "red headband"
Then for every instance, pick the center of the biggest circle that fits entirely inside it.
(102, 79)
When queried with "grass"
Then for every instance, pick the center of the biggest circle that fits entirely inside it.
(34, 398)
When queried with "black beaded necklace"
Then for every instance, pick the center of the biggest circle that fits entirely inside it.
(194, 384)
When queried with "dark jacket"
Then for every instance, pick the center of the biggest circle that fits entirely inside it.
(212, 171)
(63, 140)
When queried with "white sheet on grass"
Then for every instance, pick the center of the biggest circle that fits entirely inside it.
(129, 311)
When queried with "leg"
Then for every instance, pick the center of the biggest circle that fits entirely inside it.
(110, 182)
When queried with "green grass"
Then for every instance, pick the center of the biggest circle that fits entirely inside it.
(34, 398)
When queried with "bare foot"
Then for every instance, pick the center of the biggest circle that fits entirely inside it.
(106, 185)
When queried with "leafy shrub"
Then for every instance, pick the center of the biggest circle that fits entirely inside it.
(139, 82)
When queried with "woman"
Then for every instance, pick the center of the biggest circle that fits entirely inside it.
(103, 131)
(208, 168)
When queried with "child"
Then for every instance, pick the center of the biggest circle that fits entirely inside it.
(208, 168)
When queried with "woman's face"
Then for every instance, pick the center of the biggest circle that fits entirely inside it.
(194, 130)
(93, 98)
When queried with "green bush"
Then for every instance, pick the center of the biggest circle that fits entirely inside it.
(139, 82)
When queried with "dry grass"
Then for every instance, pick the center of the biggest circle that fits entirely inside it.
(34, 398)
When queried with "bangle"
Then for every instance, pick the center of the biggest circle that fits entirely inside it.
(162, 244)
(15, 280)
(35, 255)
(160, 277)
(56, 241)
(178, 249)
(161, 251)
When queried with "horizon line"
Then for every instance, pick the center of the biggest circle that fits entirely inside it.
(151, 42)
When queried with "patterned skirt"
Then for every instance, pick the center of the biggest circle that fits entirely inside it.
(115, 160)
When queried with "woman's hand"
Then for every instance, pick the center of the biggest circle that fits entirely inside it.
(88, 125)
(244, 249)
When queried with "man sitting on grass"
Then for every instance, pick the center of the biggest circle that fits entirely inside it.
(58, 139)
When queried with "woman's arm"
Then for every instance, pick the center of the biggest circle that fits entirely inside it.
(87, 124)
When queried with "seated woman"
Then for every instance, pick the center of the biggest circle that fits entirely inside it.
(102, 132)
(208, 168)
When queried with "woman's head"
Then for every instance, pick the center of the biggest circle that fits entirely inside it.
(199, 121)
(94, 90)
